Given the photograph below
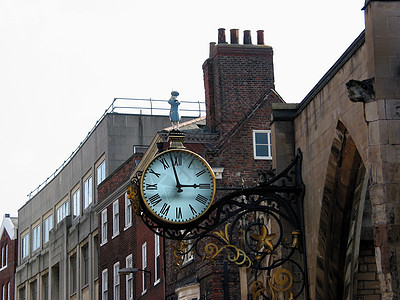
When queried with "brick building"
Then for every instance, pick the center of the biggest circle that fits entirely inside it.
(125, 242)
(8, 264)
(235, 139)
(348, 128)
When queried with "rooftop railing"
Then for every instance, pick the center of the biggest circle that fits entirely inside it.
(149, 107)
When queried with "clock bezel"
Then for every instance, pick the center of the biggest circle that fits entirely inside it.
(161, 219)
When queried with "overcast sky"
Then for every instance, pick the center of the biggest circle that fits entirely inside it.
(63, 62)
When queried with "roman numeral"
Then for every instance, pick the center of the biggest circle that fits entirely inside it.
(178, 213)
(177, 161)
(155, 199)
(155, 173)
(205, 186)
(198, 174)
(165, 209)
(164, 163)
(152, 187)
(190, 163)
(194, 212)
(203, 200)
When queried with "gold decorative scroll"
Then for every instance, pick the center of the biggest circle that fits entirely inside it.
(179, 250)
(237, 256)
(133, 192)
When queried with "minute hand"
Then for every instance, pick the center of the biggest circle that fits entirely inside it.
(178, 184)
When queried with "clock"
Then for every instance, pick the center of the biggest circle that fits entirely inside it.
(177, 186)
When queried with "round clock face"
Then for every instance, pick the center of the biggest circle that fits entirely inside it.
(178, 186)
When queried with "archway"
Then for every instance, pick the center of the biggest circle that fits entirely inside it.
(340, 219)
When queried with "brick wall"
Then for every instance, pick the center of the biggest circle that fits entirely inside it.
(7, 274)
(367, 277)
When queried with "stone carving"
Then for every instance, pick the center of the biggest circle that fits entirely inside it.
(361, 91)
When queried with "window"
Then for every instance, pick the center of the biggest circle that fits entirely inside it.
(101, 172)
(157, 259)
(45, 287)
(6, 256)
(85, 265)
(36, 238)
(87, 192)
(128, 212)
(262, 144)
(129, 278)
(116, 281)
(8, 291)
(3, 292)
(188, 256)
(22, 295)
(62, 211)
(33, 287)
(74, 274)
(144, 266)
(104, 226)
(48, 225)
(115, 218)
(76, 203)
(25, 246)
(104, 284)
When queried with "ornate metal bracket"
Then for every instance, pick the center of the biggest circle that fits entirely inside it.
(260, 228)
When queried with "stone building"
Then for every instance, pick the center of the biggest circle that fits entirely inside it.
(348, 129)
(8, 248)
(58, 227)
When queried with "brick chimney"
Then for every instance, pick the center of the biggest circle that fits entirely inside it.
(236, 76)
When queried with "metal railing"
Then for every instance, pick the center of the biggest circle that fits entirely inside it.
(132, 106)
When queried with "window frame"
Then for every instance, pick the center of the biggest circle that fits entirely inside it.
(36, 238)
(87, 191)
(116, 218)
(85, 265)
(116, 282)
(144, 266)
(129, 277)
(73, 259)
(104, 227)
(46, 231)
(157, 259)
(62, 210)
(76, 203)
(101, 172)
(128, 212)
(269, 145)
(25, 245)
(104, 284)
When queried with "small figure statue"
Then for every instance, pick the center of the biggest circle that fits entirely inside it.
(173, 113)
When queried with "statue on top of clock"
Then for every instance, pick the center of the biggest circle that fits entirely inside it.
(174, 111)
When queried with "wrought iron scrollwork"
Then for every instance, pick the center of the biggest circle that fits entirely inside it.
(260, 228)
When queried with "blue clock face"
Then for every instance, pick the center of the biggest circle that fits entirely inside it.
(178, 186)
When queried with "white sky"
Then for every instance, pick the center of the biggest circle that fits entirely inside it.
(63, 62)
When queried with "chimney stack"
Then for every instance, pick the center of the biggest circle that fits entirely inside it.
(260, 37)
(221, 36)
(234, 36)
(247, 37)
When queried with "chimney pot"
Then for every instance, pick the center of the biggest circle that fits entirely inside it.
(221, 36)
(260, 37)
(234, 36)
(212, 47)
(247, 37)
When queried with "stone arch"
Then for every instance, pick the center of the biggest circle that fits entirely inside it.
(341, 219)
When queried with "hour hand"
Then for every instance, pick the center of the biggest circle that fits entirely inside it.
(201, 186)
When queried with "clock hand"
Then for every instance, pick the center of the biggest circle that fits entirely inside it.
(178, 184)
(190, 185)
